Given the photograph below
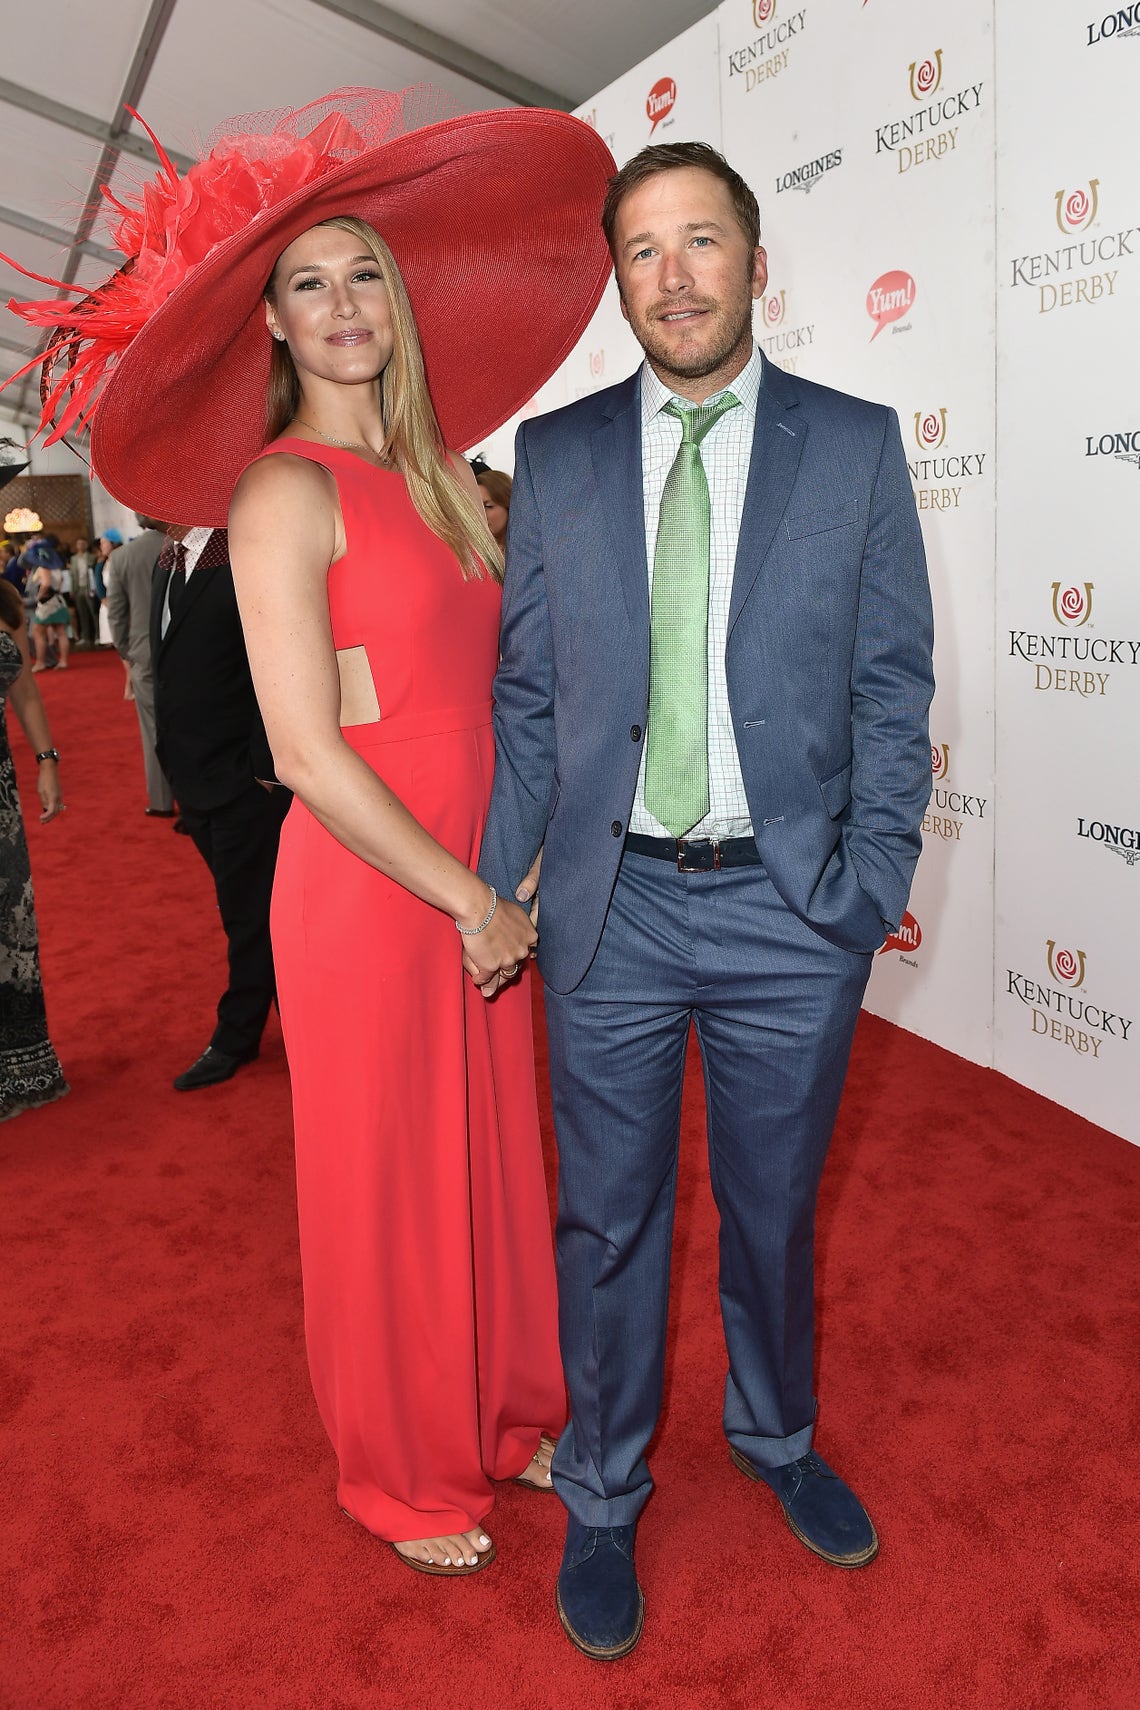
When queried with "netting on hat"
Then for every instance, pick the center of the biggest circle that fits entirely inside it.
(171, 224)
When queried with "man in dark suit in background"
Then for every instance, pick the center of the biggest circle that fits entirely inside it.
(711, 714)
(212, 745)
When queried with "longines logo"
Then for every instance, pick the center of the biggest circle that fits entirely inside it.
(1060, 1012)
(1123, 840)
(807, 176)
(1125, 447)
(889, 299)
(929, 134)
(659, 102)
(782, 343)
(906, 940)
(1125, 21)
(948, 810)
(1061, 662)
(767, 56)
(1051, 271)
(1076, 209)
(939, 482)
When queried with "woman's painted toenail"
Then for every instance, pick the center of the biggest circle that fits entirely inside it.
(486, 1542)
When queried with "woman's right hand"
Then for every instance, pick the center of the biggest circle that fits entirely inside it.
(496, 953)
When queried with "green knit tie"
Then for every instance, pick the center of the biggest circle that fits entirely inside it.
(677, 757)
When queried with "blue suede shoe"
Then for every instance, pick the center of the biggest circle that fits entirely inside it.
(823, 1512)
(599, 1600)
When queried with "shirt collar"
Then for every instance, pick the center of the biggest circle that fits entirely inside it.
(655, 394)
(193, 542)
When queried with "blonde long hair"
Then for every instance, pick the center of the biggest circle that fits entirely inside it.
(413, 443)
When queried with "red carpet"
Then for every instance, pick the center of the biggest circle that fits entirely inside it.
(170, 1535)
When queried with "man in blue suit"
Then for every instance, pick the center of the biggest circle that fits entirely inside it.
(711, 716)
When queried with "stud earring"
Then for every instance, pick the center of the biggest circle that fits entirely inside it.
(277, 333)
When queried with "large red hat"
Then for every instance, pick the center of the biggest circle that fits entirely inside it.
(492, 218)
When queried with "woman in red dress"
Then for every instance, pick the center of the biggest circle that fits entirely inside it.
(369, 588)
(425, 1244)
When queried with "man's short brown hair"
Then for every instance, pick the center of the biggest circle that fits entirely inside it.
(670, 157)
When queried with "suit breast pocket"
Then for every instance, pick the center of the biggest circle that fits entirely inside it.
(822, 519)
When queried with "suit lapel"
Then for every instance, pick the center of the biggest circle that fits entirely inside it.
(616, 450)
(776, 450)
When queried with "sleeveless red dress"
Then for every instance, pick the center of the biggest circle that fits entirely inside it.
(426, 1255)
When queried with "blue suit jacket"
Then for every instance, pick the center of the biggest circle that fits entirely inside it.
(828, 662)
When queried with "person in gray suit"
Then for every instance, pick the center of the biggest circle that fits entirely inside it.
(711, 715)
(128, 612)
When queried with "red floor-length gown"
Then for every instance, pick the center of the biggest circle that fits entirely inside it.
(430, 1312)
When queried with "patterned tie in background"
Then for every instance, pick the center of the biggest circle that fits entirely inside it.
(677, 758)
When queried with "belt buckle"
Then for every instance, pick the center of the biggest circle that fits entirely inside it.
(711, 867)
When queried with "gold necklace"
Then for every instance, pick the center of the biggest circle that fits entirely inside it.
(345, 444)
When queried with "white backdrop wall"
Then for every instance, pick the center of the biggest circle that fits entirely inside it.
(948, 202)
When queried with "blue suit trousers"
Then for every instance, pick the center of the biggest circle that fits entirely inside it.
(775, 1007)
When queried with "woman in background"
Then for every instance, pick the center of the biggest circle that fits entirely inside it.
(495, 492)
(30, 1071)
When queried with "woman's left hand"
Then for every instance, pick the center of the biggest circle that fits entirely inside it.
(49, 792)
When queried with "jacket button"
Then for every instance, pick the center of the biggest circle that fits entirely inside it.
(615, 828)
(635, 733)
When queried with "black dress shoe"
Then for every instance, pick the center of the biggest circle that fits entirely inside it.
(599, 1601)
(212, 1066)
(822, 1511)
(160, 813)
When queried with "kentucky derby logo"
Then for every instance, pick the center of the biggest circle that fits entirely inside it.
(889, 298)
(1066, 966)
(772, 308)
(940, 762)
(762, 10)
(1076, 209)
(659, 101)
(1073, 605)
(907, 939)
(930, 428)
(597, 363)
(925, 78)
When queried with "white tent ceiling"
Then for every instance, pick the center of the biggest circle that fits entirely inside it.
(67, 73)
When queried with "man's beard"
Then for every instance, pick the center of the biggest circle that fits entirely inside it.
(697, 364)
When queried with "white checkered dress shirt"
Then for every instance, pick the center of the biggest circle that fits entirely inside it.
(725, 452)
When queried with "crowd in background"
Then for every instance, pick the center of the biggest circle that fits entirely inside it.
(64, 586)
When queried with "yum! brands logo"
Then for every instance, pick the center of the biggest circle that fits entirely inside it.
(1076, 209)
(925, 76)
(930, 428)
(906, 940)
(889, 299)
(1072, 606)
(659, 102)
